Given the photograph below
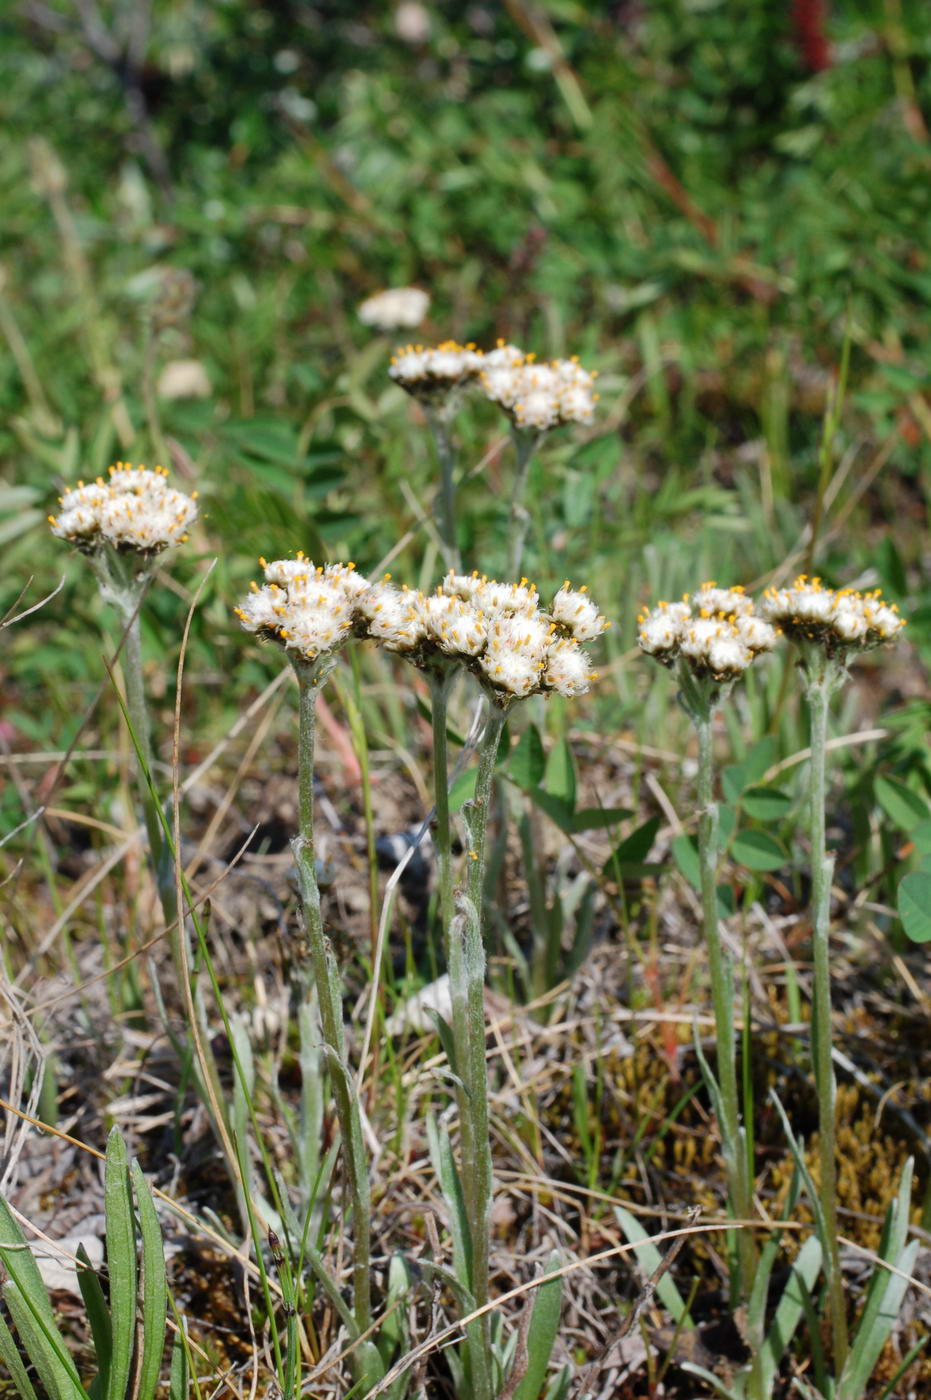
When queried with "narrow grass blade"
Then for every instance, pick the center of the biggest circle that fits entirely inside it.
(9, 1355)
(32, 1313)
(46, 1353)
(444, 1165)
(544, 1325)
(121, 1263)
(154, 1289)
(884, 1295)
(649, 1259)
(799, 1157)
(178, 1376)
(98, 1315)
(805, 1271)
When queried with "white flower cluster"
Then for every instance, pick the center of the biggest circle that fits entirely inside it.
(429, 372)
(398, 308)
(716, 632)
(497, 630)
(538, 396)
(309, 608)
(134, 509)
(841, 621)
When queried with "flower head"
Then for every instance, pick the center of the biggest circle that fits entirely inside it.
(715, 634)
(840, 622)
(134, 509)
(538, 396)
(398, 308)
(432, 373)
(309, 609)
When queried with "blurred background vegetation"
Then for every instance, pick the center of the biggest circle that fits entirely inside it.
(707, 200)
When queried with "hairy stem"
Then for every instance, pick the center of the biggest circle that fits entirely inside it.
(439, 429)
(467, 979)
(326, 978)
(440, 686)
(722, 994)
(822, 869)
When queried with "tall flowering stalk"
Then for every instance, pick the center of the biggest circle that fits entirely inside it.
(311, 612)
(435, 377)
(828, 627)
(501, 635)
(710, 639)
(121, 524)
(536, 398)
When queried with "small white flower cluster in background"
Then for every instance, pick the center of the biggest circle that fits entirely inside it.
(430, 372)
(535, 396)
(538, 396)
(498, 630)
(841, 621)
(716, 632)
(134, 509)
(398, 308)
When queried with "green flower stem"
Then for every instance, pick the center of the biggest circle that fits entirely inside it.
(311, 677)
(821, 681)
(440, 684)
(439, 429)
(467, 982)
(525, 444)
(722, 994)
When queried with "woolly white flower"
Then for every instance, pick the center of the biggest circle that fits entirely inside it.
(398, 308)
(574, 609)
(538, 396)
(430, 373)
(841, 622)
(465, 586)
(391, 617)
(455, 626)
(495, 597)
(568, 669)
(309, 609)
(710, 598)
(758, 636)
(504, 356)
(660, 630)
(135, 509)
(715, 633)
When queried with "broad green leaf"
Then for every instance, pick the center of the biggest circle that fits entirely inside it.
(727, 823)
(559, 779)
(766, 804)
(544, 1325)
(757, 851)
(526, 763)
(555, 808)
(733, 781)
(596, 818)
(634, 849)
(759, 758)
(914, 905)
(121, 1263)
(921, 836)
(154, 1289)
(463, 789)
(685, 855)
(902, 806)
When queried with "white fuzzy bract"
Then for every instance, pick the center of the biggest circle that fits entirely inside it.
(134, 509)
(841, 621)
(574, 609)
(392, 616)
(396, 309)
(431, 372)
